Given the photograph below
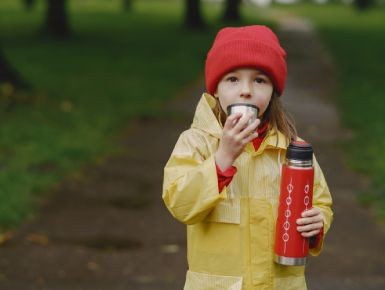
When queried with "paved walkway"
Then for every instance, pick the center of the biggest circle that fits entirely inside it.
(354, 253)
(109, 229)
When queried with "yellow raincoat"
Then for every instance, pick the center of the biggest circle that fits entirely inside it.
(230, 235)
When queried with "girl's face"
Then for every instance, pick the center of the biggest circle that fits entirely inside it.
(245, 85)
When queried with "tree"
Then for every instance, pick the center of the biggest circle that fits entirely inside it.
(363, 4)
(193, 15)
(13, 89)
(29, 4)
(9, 75)
(232, 11)
(56, 19)
(127, 5)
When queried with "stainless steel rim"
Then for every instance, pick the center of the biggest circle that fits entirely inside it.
(242, 108)
(289, 261)
(299, 163)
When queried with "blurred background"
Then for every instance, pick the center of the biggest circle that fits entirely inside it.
(75, 75)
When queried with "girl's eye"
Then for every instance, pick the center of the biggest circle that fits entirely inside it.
(260, 80)
(232, 79)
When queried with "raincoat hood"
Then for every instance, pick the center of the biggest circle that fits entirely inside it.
(204, 118)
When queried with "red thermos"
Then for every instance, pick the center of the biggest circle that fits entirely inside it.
(295, 197)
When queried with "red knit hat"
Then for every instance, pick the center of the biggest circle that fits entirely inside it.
(249, 46)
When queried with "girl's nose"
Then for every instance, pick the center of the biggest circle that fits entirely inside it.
(245, 90)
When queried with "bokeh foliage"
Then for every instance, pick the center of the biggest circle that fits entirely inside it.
(116, 66)
(356, 41)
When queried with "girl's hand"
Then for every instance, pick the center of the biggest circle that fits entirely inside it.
(311, 223)
(236, 134)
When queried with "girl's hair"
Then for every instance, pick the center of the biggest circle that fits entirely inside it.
(275, 115)
(279, 119)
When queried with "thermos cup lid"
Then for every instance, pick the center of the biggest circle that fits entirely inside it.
(299, 150)
(229, 107)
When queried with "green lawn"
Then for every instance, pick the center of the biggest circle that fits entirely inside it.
(357, 44)
(116, 66)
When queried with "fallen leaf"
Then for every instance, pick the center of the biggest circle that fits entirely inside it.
(38, 239)
(145, 279)
(5, 237)
(169, 249)
(93, 266)
(66, 106)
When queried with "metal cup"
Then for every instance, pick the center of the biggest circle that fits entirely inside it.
(243, 108)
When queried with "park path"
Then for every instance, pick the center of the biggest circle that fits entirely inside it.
(109, 229)
(354, 253)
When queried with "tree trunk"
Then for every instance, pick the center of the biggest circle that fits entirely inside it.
(56, 19)
(363, 4)
(127, 5)
(193, 15)
(29, 4)
(232, 13)
(9, 75)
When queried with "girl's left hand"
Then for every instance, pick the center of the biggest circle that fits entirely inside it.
(311, 223)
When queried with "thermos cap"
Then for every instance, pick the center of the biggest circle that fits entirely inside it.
(299, 150)
(242, 108)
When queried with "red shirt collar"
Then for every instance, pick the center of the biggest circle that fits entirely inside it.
(261, 130)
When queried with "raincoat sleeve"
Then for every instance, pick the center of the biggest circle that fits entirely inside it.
(190, 185)
(322, 200)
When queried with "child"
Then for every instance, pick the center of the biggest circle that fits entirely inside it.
(223, 177)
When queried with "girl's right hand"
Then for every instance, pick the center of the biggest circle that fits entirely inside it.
(236, 134)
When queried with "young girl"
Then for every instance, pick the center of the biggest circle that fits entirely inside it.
(223, 177)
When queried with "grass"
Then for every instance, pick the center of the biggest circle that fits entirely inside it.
(356, 42)
(117, 65)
